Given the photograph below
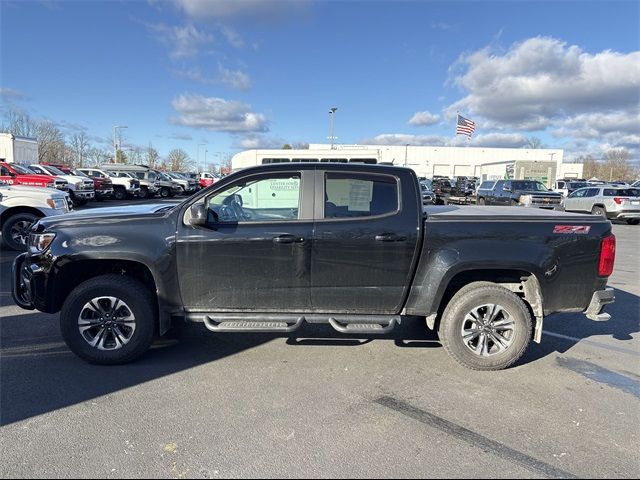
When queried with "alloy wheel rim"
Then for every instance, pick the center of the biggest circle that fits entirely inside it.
(488, 330)
(106, 323)
(20, 231)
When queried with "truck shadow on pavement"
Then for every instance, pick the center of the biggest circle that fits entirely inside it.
(38, 374)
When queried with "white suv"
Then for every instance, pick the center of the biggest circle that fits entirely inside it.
(123, 187)
(20, 206)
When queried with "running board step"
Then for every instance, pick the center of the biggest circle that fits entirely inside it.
(225, 324)
(364, 327)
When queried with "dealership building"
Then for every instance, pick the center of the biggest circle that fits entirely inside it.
(542, 164)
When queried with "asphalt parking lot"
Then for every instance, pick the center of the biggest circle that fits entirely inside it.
(317, 404)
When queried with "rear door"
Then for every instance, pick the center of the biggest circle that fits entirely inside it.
(573, 202)
(366, 236)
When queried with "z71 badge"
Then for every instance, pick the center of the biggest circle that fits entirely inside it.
(579, 229)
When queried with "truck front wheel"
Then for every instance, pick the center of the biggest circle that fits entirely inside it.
(485, 327)
(15, 230)
(109, 320)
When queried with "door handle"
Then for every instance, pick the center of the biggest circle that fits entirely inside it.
(389, 237)
(288, 238)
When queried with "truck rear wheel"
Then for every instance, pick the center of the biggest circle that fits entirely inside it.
(633, 221)
(599, 211)
(482, 201)
(485, 327)
(144, 193)
(109, 320)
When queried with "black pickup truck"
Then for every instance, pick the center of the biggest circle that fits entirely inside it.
(272, 247)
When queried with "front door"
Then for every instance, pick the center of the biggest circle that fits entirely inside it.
(364, 243)
(253, 254)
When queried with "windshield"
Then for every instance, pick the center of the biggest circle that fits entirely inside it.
(53, 170)
(79, 173)
(576, 185)
(22, 170)
(530, 185)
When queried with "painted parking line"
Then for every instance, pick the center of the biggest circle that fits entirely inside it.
(593, 344)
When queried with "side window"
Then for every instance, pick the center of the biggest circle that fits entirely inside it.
(499, 184)
(4, 171)
(265, 198)
(592, 192)
(349, 195)
(579, 193)
(140, 175)
(560, 184)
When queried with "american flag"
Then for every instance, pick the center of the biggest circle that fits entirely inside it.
(465, 126)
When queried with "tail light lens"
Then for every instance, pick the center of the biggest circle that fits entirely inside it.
(607, 256)
(619, 200)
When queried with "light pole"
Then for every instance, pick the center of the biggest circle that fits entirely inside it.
(332, 114)
(406, 149)
(115, 145)
(198, 152)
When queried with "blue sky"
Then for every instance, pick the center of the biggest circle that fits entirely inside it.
(244, 74)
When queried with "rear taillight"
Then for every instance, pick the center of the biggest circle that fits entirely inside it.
(619, 200)
(607, 256)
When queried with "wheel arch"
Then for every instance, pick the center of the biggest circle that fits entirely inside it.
(11, 211)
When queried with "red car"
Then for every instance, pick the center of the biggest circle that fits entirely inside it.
(18, 175)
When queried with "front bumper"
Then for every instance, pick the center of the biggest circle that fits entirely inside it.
(599, 299)
(104, 193)
(84, 195)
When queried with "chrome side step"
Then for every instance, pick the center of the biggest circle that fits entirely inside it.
(285, 323)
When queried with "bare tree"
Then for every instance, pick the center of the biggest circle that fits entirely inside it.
(80, 146)
(136, 155)
(50, 142)
(533, 143)
(152, 157)
(19, 123)
(96, 157)
(179, 161)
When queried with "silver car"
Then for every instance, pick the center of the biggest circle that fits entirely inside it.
(619, 203)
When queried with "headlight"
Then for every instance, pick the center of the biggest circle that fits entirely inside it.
(79, 185)
(50, 185)
(56, 203)
(525, 200)
(41, 241)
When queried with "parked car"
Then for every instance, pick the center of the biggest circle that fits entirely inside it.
(20, 206)
(14, 174)
(167, 182)
(636, 184)
(207, 179)
(80, 188)
(615, 203)
(258, 252)
(428, 197)
(150, 184)
(102, 186)
(566, 186)
(188, 185)
(124, 186)
(526, 193)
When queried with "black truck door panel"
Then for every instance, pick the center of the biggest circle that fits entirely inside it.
(254, 252)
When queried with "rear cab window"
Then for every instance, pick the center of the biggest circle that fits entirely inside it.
(360, 195)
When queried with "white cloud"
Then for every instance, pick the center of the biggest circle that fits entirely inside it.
(542, 79)
(256, 141)
(217, 114)
(182, 41)
(514, 140)
(9, 94)
(232, 36)
(209, 9)
(236, 79)
(424, 119)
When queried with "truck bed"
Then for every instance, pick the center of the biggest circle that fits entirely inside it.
(467, 212)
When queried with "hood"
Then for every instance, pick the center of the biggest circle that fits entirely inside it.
(36, 177)
(9, 191)
(107, 215)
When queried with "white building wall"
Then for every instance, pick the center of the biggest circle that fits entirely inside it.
(428, 161)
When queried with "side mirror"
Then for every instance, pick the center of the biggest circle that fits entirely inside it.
(198, 215)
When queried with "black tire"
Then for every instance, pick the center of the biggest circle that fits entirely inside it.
(119, 194)
(599, 211)
(514, 203)
(633, 221)
(482, 201)
(144, 193)
(474, 297)
(15, 230)
(165, 192)
(137, 298)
